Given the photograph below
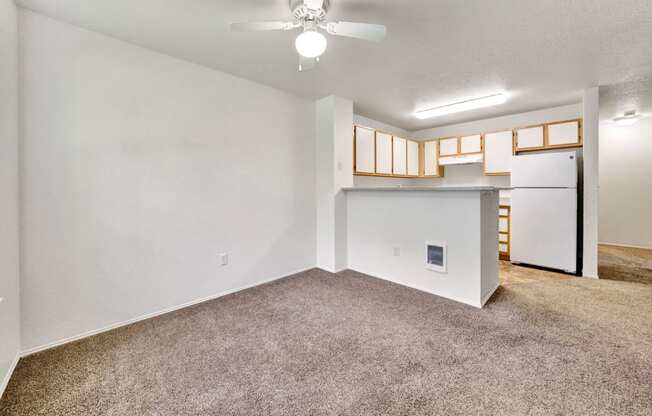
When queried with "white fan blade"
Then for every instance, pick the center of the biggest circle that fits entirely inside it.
(313, 4)
(306, 64)
(262, 26)
(365, 31)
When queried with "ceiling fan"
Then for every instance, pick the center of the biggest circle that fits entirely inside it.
(310, 17)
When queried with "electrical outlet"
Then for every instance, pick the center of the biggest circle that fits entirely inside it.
(224, 259)
(397, 251)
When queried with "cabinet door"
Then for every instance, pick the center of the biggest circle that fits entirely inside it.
(448, 147)
(503, 225)
(430, 162)
(529, 138)
(564, 134)
(471, 144)
(498, 153)
(412, 158)
(400, 156)
(383, 153)
(364, 150)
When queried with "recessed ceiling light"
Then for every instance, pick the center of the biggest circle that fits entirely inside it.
(627, 119)
(467, 105)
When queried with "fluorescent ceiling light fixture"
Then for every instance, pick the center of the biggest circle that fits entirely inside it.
(311, 44)
(627, 119)
(482, 102)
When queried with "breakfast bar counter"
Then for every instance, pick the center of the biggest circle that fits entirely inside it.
(441, 240)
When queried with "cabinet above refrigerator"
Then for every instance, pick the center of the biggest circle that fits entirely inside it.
(549, 170)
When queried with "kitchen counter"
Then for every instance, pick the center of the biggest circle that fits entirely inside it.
(426, 188)
(389, 228)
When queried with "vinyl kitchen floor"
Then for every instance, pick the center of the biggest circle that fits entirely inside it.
(625, 263)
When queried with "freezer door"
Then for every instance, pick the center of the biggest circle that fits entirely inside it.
(550, 170)
(544, 228)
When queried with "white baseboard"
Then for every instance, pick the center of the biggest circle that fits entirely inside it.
(87, 334)
(330, 270)
(623, 245)
(488, 295)
(453, 298)
(5, 381)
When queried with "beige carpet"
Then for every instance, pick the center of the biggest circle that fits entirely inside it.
(348, 344)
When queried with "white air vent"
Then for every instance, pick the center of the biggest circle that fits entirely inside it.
(436, 256)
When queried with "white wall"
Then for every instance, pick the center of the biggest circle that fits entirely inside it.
(465, 175)
(473, 174)
(325, 180)
(9, 259)
(591, 171)
(504, 122)
(334, 171)
(343, 168)
(626, 184)
(381, 126)
(380, 221)
(138, 169)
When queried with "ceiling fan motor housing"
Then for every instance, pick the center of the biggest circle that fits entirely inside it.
(302, 12)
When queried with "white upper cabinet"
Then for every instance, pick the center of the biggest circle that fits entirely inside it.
(364, 150)
(471, 144)
(529, 138)
(549, 136)
(498, 153)
(448, 147)
(400, 156)
(430, 162)
(564, 134)
(383, 153)
(412, 158)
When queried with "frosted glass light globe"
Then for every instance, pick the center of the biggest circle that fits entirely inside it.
(311, 44)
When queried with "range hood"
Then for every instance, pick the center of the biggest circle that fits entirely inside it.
(461, 159)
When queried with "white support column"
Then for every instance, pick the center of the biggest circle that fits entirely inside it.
(334, 161)
(591, 109)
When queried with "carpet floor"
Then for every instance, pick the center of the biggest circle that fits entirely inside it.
(348, 344)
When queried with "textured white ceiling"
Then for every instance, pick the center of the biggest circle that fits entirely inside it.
(634, 94)
(542, 52)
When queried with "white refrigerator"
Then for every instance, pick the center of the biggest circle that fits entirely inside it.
(544, 210)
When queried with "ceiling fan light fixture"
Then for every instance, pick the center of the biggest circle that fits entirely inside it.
(311, 44)
(311, 17)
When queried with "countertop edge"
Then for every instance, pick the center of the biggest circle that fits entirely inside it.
(426, 188)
